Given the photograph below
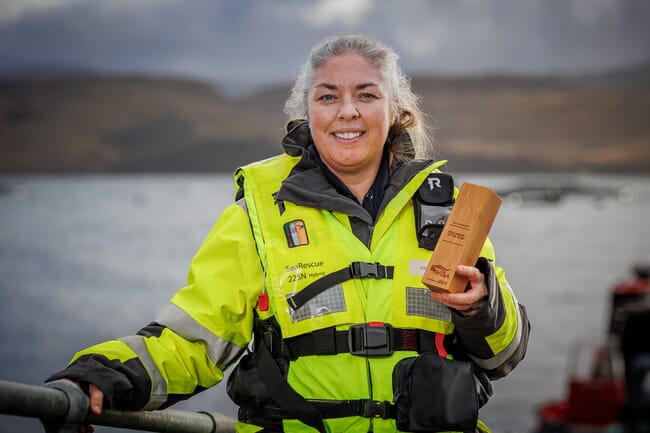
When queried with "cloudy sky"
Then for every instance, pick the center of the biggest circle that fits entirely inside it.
(266, 40)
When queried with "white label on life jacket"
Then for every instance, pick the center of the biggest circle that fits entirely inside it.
(417, 267)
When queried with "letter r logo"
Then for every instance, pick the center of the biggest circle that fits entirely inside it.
(434, 182)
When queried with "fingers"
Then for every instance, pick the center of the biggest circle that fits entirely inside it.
(474, 296)
(96, 399)
(462, 302)
(473, 275)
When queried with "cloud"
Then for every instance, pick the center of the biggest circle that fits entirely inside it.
(595, 12)
(267, 41)
(11, 10)
(466, 36)
(336, 12)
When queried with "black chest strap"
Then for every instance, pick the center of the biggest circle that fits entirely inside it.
(355, 270)
(368, 339)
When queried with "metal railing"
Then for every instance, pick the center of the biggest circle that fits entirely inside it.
(61, 406)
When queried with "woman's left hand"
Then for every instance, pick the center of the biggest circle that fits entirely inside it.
(474, 296)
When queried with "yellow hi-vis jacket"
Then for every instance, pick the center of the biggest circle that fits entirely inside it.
(278, 239)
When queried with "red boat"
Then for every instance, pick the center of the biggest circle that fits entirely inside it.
(609, 382)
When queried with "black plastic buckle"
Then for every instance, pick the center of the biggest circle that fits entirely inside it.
(375, 409)
(370, 339)
(364, 269)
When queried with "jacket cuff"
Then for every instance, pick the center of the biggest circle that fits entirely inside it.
(125, 385)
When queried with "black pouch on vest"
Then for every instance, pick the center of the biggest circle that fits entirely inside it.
(244, 386)
(435, 394)
(432, 204)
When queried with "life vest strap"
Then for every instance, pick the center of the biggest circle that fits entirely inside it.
(270, 416)
(367, 339)
(289, 401)
(355, 270)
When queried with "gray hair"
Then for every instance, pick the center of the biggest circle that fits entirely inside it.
(405, 104)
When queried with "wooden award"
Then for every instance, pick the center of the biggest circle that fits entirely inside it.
(462, 237)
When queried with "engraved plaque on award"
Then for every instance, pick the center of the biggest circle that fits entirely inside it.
(462, 237)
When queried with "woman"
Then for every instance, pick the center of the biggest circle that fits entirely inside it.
(321, 259)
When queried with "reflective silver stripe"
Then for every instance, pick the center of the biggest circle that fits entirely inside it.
(158, 385)
(329, 301)
(242, 204)
(505, 354)
(222, 353)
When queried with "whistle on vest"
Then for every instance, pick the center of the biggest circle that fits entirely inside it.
(462, 237)
(263, 301)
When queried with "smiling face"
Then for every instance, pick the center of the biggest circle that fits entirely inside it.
(349, 115)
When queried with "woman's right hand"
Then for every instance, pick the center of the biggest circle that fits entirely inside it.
(96, 397)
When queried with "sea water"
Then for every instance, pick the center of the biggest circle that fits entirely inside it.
(89, 258)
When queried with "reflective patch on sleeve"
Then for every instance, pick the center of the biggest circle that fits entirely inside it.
(503, 356)
(221, 352)
(419, 303)
(158, 384)
(327, 302)
(500, 339)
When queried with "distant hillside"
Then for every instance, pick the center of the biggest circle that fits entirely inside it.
(92, 123)
(597, 123)
(128, 124)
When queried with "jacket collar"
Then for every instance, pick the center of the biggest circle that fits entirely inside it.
(298, 138)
